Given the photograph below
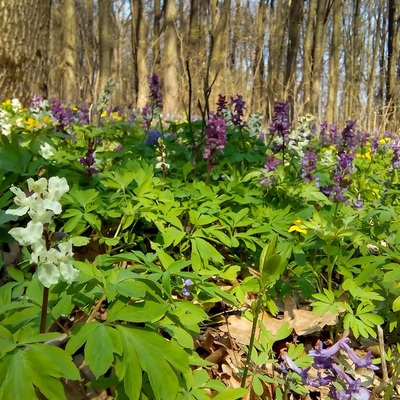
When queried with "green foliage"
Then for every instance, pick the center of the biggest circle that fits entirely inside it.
(141, 233)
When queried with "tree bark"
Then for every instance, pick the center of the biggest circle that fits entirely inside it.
(331, 108)
(105, 43)
(171, 59)
(258, 61)
(139, 51)
(69, 91)
(24, 40)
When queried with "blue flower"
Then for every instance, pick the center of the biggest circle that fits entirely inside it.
(152, 137)
(187, 283)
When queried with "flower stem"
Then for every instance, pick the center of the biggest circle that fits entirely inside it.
(251, 344)
(43, 316)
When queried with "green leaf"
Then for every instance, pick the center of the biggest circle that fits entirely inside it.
(396, 304)
(79, 336)
(144, 311)
(16, 274)
(162, 360)
(231, 394)
(7, 342)
(52, 360)
(100, 347)
(15, 365)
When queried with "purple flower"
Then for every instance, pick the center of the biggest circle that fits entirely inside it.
(187, 283)
(358, 361)
(323, 358)
(395, 146)
(240, 106)
(147, 116)
(375, 144)
(349, 140)
(215, 137)
(354, 389)
(270, 166)
(88, 161)
(222, 104)
(309, 165)
(280, 121)
(155, 91)
(62, 114)
(290, 363)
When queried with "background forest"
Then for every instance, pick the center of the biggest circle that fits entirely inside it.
(338, 59)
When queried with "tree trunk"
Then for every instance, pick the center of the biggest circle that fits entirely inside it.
(295, 18)
(69, 77)
(105, 43)
(308, 56)
(24, 40)
(318, 55)
(139, 50)
(391, 64)
(331, 109)
(258, 61)
(218, 53)
(171, 59)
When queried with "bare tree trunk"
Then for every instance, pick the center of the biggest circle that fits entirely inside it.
(105, 43)
(318, 54)
(295, 19)
(258, 62)
(276, 46)
(70, 51)
(156, 33)
(171, 59)
(24, 27)
(391, 99)
(308, 56)
(331, 109)
(139, 51)
(218, 53)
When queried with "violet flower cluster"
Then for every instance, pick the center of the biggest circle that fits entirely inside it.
(239, 107)
(328, 371)
(269, 167)
(280, 125)
(395, 145)
(215, 138)
(309, 165)
(154, 106)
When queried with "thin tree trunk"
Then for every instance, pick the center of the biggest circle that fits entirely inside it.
(171, 59)
(331, 109)
(70, 51)
(139, 51)
(105, 43)
(258, 62)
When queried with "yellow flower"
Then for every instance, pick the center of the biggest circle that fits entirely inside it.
(115, 116)
(32, 123)
(47, 120)
(296, 227)
(6, 103)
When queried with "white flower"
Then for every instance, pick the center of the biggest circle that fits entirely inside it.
(162, 165)
(43, 212)
(46, 151)
(29, 235)
(38, 186)
(24, 202)
(56, 188)
(16, 105)
(48, 274)
(68, 272)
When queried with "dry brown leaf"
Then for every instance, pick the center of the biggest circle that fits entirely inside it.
(303, 322)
